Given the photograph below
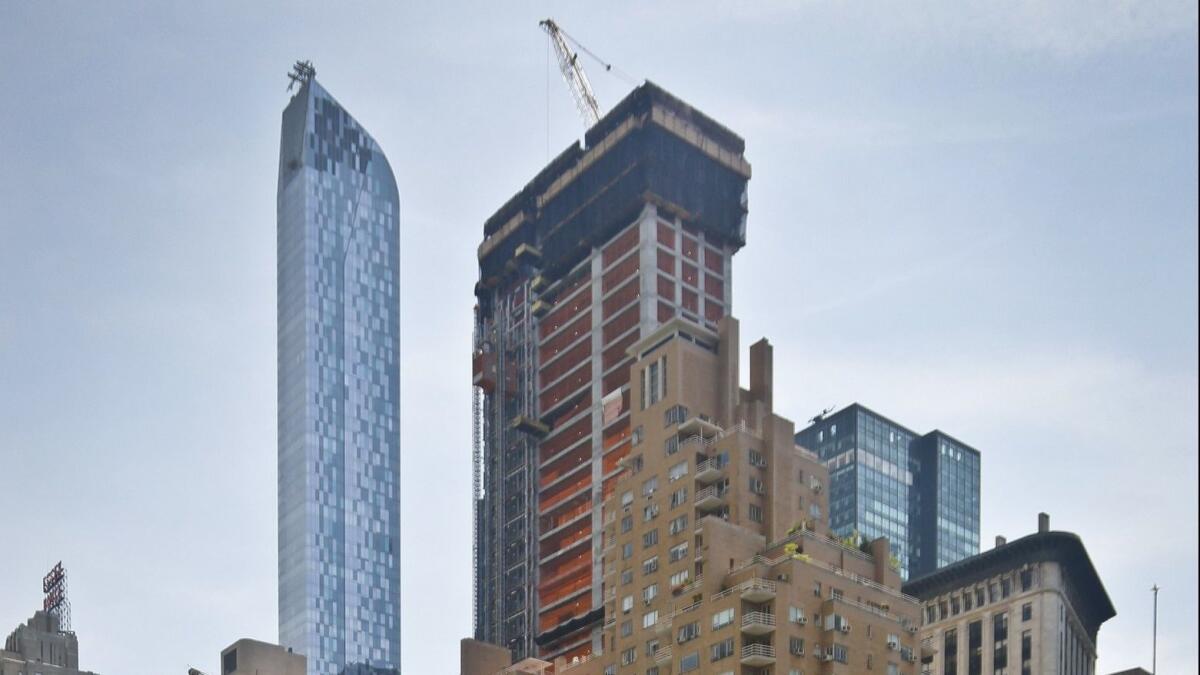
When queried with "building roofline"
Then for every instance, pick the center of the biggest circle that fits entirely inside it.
(916, 435)
(1091, 601)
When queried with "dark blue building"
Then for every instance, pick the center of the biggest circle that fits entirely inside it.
(919, 491)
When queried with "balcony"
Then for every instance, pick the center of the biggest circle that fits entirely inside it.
(757, 590)
(664, 625)
(758, 655)
(711, 497)
(709, 470)
(699, 426)
(758, 623)
(662, 654)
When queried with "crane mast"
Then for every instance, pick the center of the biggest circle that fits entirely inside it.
(572, 72)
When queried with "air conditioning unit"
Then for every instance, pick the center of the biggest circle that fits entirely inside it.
(892, 644)
(912, 629)
(845, 627)
(910, 657)
(825, 655)
(802, 621)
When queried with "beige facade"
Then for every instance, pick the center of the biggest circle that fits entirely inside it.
(1030, 607)
(716, 553)
(253, 657)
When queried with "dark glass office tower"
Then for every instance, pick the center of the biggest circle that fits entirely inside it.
(919, 491)
(339, 390)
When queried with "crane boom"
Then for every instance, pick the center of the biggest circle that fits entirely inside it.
(572, 72)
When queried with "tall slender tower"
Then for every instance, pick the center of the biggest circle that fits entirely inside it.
(611, 240)
(339, 390)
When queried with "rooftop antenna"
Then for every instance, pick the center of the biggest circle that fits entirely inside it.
(1154, 648)
(821, 415)
(302, 73)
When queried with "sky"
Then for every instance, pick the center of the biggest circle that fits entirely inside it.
(978, 217)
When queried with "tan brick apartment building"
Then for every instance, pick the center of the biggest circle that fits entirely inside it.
(716, 555)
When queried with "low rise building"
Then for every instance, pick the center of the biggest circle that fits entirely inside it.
(1033, 606)
(717, 555)
(254, 657)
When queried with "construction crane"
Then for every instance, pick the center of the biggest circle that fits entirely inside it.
(572, 72)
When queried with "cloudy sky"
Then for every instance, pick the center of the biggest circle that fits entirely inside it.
(972, 216)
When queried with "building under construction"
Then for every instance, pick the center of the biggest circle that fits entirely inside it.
(615, 237)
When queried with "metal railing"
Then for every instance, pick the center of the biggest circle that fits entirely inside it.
(758, 650)
(758, 618)
(710, 491)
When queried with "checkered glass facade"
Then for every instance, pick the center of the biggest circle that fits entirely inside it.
(339, 391)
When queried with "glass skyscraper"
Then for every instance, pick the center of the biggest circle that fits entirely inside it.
(339, 390)
(921, 492)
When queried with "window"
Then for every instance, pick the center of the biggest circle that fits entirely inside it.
(678, 471)
(756, 459)
(1005, 587)
(610, 669)
(756, 486)
(1027, 611)
(954, 607)
(676, 414)
(626, 628)
(650, 618)
(650, 538)
(626, 604)
(999, 642)
(678, 498)
(679, 552)
(671, 445)
(650, 565)
(679, 578)
(654, 382)
(756, 513)
(636, 436)
(649, 512)
(975, 648)
(626, 551)
(628, 656)
(626, 524)
(966, 598)
(1026, 579)
(649, 486)
(840, 654)
(722, 649)
(814, 510)
(678, 524)
(796, 615)
(688, 632)
(979, 600)
(1026, 652)
(689, 662)
(950, 653)
(817, 589)
(626, 498)
(637, 464)
(626, 577)
(796, 646)
(722, 618)
(649, 593)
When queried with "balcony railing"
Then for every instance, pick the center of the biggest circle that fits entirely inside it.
(758, 623)
(758, 654)
(662, 654)
(711, 497)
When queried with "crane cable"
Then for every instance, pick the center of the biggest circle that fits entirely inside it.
(608, 67)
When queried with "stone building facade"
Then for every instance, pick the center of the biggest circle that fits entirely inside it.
(1027, 607)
